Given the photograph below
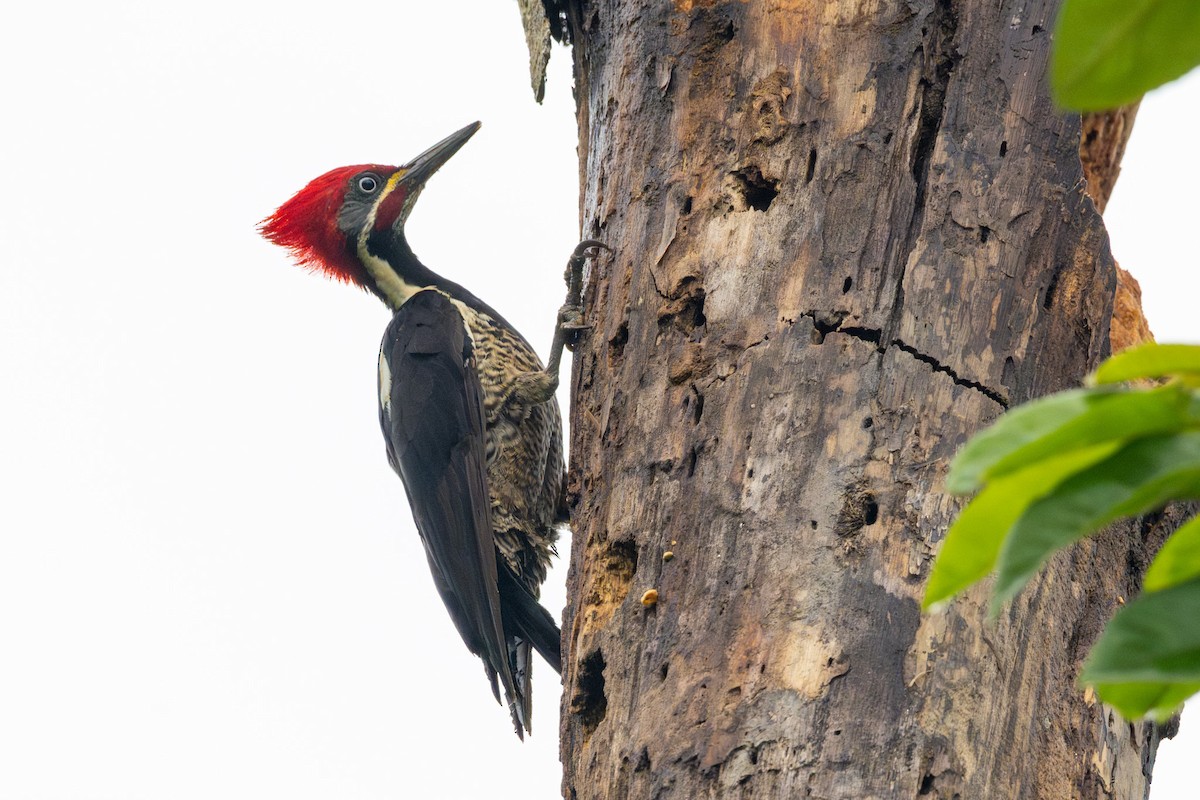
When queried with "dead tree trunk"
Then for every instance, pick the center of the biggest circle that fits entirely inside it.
(847, 235)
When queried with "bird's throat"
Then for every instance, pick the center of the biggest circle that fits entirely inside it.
(395, 272)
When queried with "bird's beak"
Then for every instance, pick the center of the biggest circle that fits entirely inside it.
(417, 171)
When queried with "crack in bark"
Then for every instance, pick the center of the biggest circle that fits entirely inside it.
(654, 281)
(827, 322)
(872, 335)
(938, 366)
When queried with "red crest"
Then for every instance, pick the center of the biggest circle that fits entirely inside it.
(307, 225)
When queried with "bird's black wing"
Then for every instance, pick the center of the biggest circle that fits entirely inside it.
(431, 411)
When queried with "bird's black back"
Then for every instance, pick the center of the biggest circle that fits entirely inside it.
(431, 412)
(432, 419)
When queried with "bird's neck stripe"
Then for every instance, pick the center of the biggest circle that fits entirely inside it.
(391, 286)
(396, 291)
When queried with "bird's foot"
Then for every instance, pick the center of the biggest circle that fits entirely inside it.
(579, 256)
(570, 319)
(570, 316)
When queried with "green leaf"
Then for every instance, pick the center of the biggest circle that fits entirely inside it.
(1012, 431)
(1149, 361)
(1157, 700)
(1141, 476)
(1178, 561)
(973, 541)
(1148, 658)
(1068, 421)
(1109, 52)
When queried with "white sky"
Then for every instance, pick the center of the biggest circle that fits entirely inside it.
(210, 585)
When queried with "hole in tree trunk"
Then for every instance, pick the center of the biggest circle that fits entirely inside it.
(757, 190)
(859, 509)
(870, 510)
(590, 703)
(697, 406)
(623, 557)
(616, 345)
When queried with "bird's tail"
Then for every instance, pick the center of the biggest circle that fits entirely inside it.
(519, 698)
(520, 657)
(525, 619)
(527, 627)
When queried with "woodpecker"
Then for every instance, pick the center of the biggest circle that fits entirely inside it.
(468, 413)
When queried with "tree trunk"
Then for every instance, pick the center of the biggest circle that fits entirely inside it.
(847, 235)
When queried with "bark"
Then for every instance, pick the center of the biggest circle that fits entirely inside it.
(1129, 325)
(847, 236)
(537, 40)
(1101, 147)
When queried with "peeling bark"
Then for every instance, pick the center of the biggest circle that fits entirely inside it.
(537, 39)
(1129, 325)
(847, 236)
(1101, 147)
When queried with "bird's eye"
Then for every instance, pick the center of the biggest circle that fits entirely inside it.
(368, 184)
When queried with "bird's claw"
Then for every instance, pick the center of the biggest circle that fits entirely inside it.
(582, 249)
(570, 318)
(570, 322)
(579, 255)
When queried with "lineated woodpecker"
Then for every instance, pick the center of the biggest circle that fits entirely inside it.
(468, 413)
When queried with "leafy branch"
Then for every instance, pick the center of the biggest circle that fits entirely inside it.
(1060, 468)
